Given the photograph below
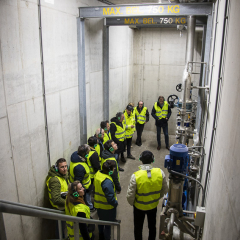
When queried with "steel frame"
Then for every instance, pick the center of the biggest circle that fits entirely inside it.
(202, 11)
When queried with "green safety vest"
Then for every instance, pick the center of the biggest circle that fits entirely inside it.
(86, 179)
(64, 188)
(120, 133)
(161, 113)
(128, 121)
(107, 136)
(111, 159)
(141, 117)
(100, 201)
(74, 210)
(98, 150)
(92, 173)
(148, 189)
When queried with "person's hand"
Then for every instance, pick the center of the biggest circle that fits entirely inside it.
(167, 119)
(118, 192)
(132, 126)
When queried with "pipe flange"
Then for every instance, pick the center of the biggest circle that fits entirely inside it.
(172, 210)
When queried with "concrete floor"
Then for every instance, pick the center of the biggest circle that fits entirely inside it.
(124, 210)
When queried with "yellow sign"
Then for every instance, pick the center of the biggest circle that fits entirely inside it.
(177, 162)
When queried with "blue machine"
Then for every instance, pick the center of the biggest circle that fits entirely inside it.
(178, 159)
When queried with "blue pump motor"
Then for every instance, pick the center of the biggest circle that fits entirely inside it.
(178, 159)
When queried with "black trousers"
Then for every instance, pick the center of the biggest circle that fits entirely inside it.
(129, 143)
(139, 216)
(139, 128)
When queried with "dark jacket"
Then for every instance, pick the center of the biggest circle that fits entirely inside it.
(100, 143)
(106, 154)
(94, 159)
(140, 110)
(55, 187)
(108, 189)
(163, 121)
(113, 129)
(79, 171)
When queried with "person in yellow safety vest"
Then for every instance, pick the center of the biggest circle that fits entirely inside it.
(161, 112)
(79, 170)
(142, 117)
(146, 187)
(75, 206)
(93, 158)
(107, 135)
(108, 155)
(117, 130)
(57, 185)
(105, 199)
(129, 122)
(99, 134)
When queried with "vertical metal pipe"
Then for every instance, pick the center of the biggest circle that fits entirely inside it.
(76, 230)
(118, 232)
(106, 72)
(43, 82)
(3, 235)
(60, 229)
(82, 80)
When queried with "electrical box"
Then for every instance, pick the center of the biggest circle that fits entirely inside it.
(200, 216)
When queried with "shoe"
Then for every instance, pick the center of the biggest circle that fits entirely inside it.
(118, 221)
(121, 169)
(131, 157)
(93, 209)
(123, 159)
(167, 148)
(158, 148)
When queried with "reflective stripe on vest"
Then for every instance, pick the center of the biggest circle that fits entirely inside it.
(107, 136)
(141, 117)
(100, 201)
(86, 182)
(161, 112)
(64, 188)
(148, 189)
(92, 173)
(111, 159)
(120, 133)
(128, 121)
(74, 210)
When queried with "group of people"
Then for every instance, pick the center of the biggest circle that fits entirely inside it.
(94, 173)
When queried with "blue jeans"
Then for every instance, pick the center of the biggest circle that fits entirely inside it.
(106, 215)
(88, 197)
(165, 131)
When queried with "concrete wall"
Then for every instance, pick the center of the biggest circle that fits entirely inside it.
(159, 62)
(222, 208)
(23, 159)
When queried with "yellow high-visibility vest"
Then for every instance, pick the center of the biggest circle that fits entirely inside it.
(111, 159)
(161, 113)
(98, 150)
(100, 201)
(148, 189)
(86, 179)
(128, 121)
(120, 133)
(64, 188)
(107, 136)
(74, 209)
(141, 117)
(92, 173)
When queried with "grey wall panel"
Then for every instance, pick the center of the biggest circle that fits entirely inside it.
(60, 50)
(70, 117)
(223, 196)
(55, 126)
(8, 186)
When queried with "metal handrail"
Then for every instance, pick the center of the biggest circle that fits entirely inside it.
(28, 210)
